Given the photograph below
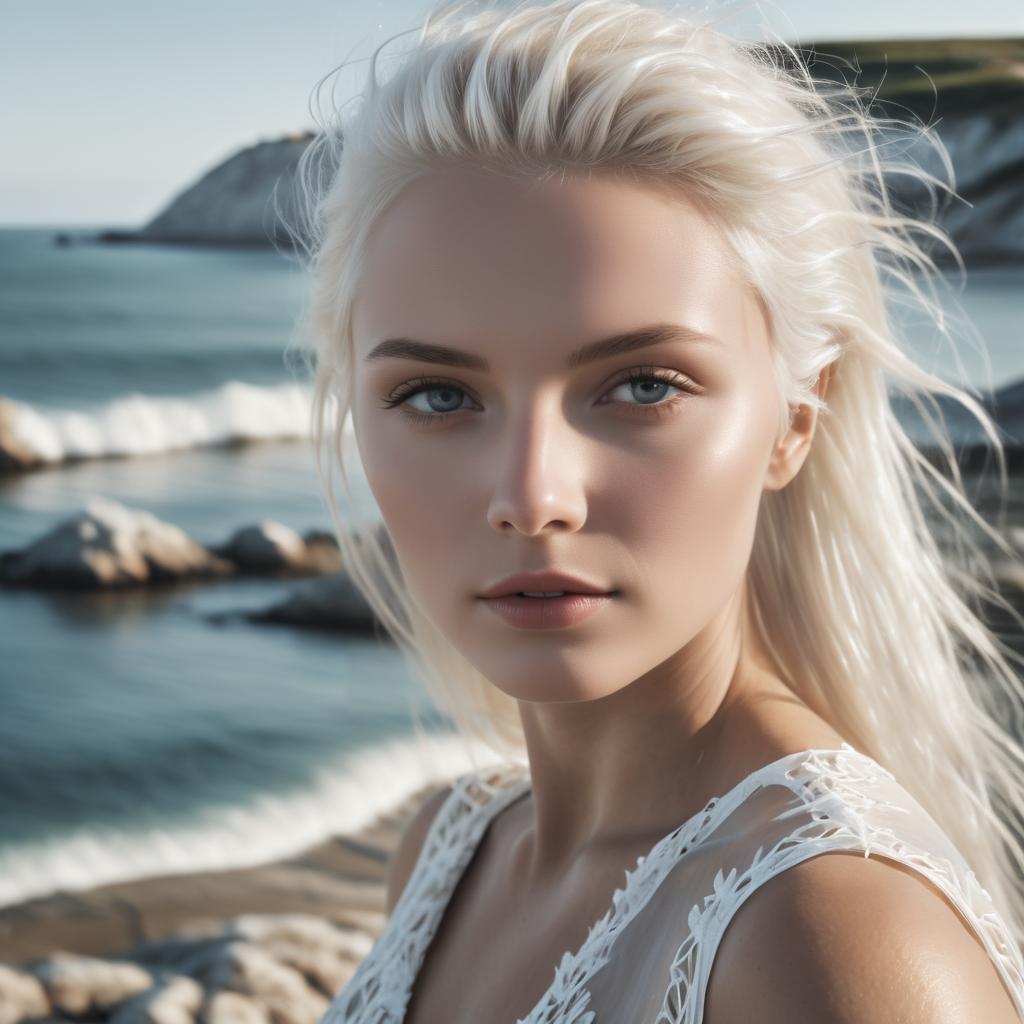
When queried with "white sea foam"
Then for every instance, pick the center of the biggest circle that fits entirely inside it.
(138, 424)
(346, 795)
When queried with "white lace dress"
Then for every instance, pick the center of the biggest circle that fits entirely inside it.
(794, 808)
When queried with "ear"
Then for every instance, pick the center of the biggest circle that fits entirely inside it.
(789, 454)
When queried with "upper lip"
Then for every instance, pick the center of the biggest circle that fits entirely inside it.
(544, 582)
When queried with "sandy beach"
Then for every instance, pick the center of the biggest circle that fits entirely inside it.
(278, 940)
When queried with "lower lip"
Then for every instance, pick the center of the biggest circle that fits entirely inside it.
(547, 612)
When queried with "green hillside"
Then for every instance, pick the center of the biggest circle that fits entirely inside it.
(927, 77)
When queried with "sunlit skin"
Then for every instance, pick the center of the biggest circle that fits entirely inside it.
(636, 717)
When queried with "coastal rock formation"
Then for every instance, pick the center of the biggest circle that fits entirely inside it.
(16, 454)
(260, 969)
(80, 986)
(175, 1000)
(22, 996)
(181, 949)
(969, 89)
(111, 545)
(968, 93)
(287, 995)
(229, 1007)
(331, 602)
(271, 547)
(234, 202)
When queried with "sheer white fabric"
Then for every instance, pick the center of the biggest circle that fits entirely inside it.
(797, 807)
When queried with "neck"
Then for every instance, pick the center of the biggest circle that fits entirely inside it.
(626, 769)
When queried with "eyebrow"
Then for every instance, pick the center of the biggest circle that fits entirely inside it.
(604, 348)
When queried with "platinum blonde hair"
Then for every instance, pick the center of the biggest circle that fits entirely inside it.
(868, 620)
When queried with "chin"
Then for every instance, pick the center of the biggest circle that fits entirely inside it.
(534, 685)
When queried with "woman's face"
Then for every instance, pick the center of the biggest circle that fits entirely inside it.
(507, 454)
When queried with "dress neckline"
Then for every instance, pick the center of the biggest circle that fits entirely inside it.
(568, 975)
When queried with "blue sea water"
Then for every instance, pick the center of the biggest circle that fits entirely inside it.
(137, 737)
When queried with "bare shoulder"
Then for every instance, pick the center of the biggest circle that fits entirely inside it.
(851, 940)
(410, 843)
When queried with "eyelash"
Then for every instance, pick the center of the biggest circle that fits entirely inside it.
(404, 392)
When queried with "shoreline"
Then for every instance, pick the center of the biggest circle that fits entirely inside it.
(341, 880)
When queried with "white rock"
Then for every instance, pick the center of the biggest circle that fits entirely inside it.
(269, 545)
(17, 452)
(110, 544)
(175, 1000)
(22, 996)
(80, 985)
(229, 1007)
(326, 602)
(280, 989)
(325, 955)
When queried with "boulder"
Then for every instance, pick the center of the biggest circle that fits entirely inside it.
(272, 547)
(229, 1007)
(16, 454)
(110, 545)
(324, 955)
(175, 1000)
(84, 985)
(329, 602)
(22, 996)
(282, 990)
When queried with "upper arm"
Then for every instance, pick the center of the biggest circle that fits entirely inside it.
(852, 940)
(407, 850)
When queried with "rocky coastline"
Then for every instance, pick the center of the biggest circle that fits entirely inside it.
(263, 945)
(968, 92)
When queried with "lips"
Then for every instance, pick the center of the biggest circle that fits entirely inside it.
(544, 583)
(548, 612)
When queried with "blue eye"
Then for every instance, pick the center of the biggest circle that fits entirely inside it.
(448, 391)
(649, 388)
(649, 385)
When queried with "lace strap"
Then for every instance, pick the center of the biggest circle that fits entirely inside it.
(835, 795)
(379, 989)
(567, 1000)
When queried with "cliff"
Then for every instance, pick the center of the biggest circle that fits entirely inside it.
(233, 203)
(970, 90)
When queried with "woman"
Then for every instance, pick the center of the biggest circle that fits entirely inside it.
(602, 293)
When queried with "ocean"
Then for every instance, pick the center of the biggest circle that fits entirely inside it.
(138, 736)
(140, 732)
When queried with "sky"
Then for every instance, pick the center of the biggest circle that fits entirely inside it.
(109, 108)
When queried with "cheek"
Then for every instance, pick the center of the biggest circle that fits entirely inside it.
(689, 514)
(419, 484)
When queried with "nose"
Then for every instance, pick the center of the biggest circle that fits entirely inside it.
(538, 475)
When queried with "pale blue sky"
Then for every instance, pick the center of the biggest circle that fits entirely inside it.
(109, 107)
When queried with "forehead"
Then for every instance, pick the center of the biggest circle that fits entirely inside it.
(464, 255)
